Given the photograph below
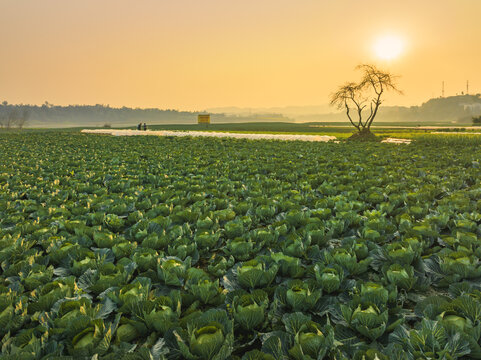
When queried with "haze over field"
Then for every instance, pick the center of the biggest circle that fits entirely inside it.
(194, 55)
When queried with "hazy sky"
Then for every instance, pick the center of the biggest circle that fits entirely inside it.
(196, 54)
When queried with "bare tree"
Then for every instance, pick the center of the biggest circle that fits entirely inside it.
(355, 97)
(3, 114)
(22, 118)
(12, 118)
(15, 118)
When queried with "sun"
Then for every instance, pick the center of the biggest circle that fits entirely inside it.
(389, 47)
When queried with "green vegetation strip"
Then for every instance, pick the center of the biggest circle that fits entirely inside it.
(203, 248)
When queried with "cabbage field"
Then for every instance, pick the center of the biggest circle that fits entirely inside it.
(201, 248)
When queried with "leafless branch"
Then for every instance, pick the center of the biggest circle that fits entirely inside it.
(373, 84)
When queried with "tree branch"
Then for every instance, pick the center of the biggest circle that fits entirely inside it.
(377, 103)
(371, 87)
(349, 116)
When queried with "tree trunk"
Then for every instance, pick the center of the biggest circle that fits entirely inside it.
(365, 130)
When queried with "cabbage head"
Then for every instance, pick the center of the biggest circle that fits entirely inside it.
(312, 342)
(298, 295)
(288, 266)
(367, 319)
(401, 276)
(374, 293)
(348, 260)
(401, 253)
(329, 278)
(249, 310)
(209, 336)
(206, 240)
(114, 222)
(234, 229)
(218, 265)
(256, 273)
(460, 263)
(172, 270)
(240, 248)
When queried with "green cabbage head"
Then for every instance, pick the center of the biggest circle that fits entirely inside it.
(209, 336)
(256, 273)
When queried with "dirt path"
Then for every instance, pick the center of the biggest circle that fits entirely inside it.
(322, 138)
(114, 132)
(397, 141)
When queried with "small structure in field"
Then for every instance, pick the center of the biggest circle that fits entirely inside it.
(203, 119)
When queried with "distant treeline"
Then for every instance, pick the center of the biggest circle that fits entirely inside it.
(453, 109)
(48, 115)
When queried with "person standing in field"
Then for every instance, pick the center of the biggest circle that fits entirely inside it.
(145, 126)
(139, 126)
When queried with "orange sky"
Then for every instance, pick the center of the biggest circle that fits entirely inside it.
(196, 54)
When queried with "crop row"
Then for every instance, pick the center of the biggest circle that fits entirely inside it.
(179, 248)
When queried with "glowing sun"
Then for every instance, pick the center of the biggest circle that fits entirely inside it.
(388, 47)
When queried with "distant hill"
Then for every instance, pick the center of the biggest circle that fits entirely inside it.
(453, 109)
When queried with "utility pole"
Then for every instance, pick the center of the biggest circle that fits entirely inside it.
(442, 92)
(467, 87)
